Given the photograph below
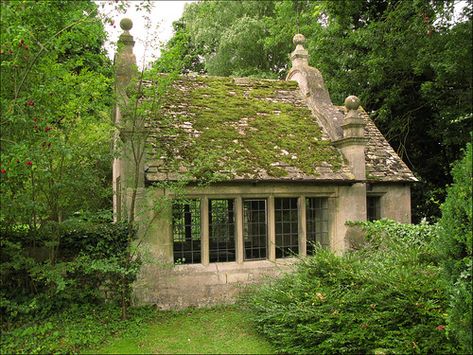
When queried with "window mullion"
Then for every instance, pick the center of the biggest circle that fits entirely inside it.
(204, 230)
(302, 226)
(239, 246)
(271, 230)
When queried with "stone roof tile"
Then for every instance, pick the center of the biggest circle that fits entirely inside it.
(247, 129)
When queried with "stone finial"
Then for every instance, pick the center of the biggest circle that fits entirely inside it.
(298, 39)
(354, 124)
(126, 24)
(352, 103)
(300, 56)
(125, 60)
(126, 38)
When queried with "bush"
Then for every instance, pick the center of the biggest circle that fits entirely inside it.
(58, 265)
(455, 248)
(385, 298)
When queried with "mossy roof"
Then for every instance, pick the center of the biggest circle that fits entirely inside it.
(382, 162)
(240, 129)
(227, 129)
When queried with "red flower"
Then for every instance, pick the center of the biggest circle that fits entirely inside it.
(440, 327)
(3, 171)
(30, 103)
(47, 129)
(29, 163)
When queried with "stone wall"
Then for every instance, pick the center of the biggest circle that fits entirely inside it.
(176, 286)
(197, 285)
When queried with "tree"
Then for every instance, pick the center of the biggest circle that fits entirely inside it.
(455, 246)
(55, 99)
(410, 62)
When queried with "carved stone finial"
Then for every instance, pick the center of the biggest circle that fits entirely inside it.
(125, 60)
(352, 103)
(126, 24)
(300, 56)
(354, 124)
(298, 39)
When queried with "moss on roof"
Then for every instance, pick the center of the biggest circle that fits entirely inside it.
(225, 128)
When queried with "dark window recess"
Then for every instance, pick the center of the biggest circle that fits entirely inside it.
(221, 231)
(255, 229)
(317, 223)
(373, 208)
(287, 227)
(186, 231)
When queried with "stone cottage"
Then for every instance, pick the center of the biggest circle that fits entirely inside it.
(238, 176)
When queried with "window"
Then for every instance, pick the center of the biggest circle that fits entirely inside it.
(373, 208)
(317, 223)
(186, 231)
(287, 227)
(221, 231)
(254, 229)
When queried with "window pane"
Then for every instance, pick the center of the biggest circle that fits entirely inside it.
(221, 231)
(373, 208)
(186, 231)
(317, 223)
(254, 229)
(287, 227)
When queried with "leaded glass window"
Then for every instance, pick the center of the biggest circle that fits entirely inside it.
(287, 227)
(317, 223)
(221, 230)
(186, 231)
(255, 229)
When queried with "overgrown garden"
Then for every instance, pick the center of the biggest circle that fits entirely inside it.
(67, 270)
(406, 290)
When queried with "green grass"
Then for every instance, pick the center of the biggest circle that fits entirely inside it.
(206, 331)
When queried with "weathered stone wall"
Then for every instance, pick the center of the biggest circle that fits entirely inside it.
(395, 201)
(177, 286)
(197, 285)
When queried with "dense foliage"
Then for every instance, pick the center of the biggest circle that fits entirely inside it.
(387, 297)
(410, 62)
(455, 247)
(56, 131)
(55, 101)
(75, 262)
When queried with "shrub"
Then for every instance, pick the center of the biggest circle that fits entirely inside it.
(387, 297)
(455, 248)
(61, 264)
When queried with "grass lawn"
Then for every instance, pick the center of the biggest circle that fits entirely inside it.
(215, 330)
